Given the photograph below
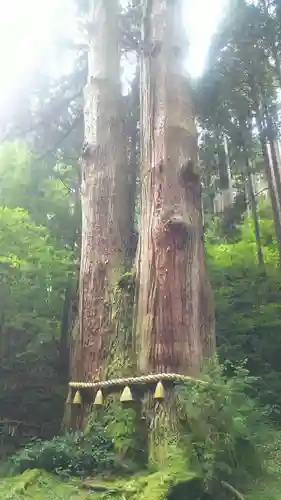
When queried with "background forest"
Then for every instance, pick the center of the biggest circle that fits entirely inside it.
(238, 117)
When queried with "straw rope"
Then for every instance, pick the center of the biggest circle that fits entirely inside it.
(144, 379)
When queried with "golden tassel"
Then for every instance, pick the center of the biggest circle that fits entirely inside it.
(77, 400)
(159, 393)
(126, 395)
(98, 401)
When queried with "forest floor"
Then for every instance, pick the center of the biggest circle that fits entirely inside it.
(38, 485)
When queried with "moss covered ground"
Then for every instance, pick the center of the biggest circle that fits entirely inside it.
(173, 478)
(38, 485)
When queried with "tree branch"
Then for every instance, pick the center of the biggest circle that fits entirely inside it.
(233, 490)
(61, 139)
(45, 119)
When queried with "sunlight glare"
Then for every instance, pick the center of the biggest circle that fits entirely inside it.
(201, 18)
(28, 29)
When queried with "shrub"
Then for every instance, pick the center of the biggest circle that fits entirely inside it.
(224, 428)
(75, 454)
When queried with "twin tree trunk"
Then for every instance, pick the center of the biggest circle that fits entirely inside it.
(174, 327)
(104, 195)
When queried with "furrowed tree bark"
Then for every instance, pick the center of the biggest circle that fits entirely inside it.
(175, 321)
(104, 196)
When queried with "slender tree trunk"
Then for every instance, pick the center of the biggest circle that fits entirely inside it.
(133, 154)
(270, 177)
(69, 294)
(175, 321)
(104, 195)
(272, 192)
(229, 192)
(64, 331)
(273, 153)
(254, 210)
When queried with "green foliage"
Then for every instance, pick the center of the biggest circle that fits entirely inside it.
(248, 310)
(222, 426)
(222, 437)
(75, 454)
(46, 192)
(123, 424)
(38, 485)
(268, 487)
(33, 275)
(37, 245)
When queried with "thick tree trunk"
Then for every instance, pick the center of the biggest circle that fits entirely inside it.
(104, 195)
(175, 323)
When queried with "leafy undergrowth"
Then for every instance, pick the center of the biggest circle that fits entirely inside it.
(266, 491)
(223, 444)
(35, 485)
(39, 485)
(269, 487)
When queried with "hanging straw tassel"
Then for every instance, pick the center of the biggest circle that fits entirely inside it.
(126, 395)
(69, 397)
(159, 393)
(98, 401)
(77, 400)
